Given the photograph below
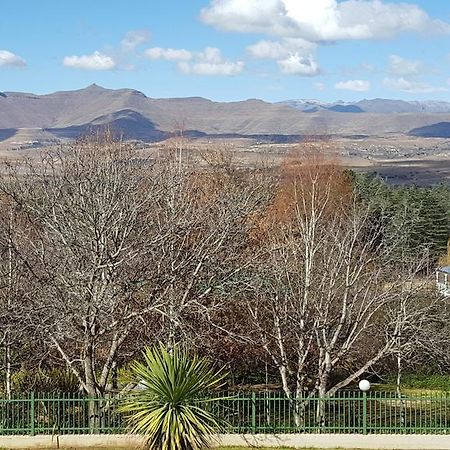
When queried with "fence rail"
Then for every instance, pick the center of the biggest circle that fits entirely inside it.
(263, 412)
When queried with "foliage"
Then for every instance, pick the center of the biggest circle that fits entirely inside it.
(171, 410)
(419, 215)
(328, 280)
(50, 380)
(104, 249)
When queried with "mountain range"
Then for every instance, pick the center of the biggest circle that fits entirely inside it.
(26, 117)
(377, 105)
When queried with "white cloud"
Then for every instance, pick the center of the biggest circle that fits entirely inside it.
(133, 39)
(207, 62)
(358, 70)
(249, 16)
(320, 20)
(416, 87)
(210, 55)
(402, 66)
(319, 86)
(96, 61)
(8, 59)
(211, 62)
(367, 67)
(299, 65)
(316, 22)
(353, 85)
(207, 68)
(266, 49)
(170, 54)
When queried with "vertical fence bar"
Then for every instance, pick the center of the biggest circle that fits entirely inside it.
(345, 412)
(254, 412)
(364, 412)
(32, 430)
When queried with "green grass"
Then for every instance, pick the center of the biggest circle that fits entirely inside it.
(418, 383)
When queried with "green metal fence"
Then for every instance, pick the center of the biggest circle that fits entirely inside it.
(58, 414)
(345, 412)
(266, 412)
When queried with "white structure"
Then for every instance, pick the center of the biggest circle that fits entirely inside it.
(443, 280)
(364, 385)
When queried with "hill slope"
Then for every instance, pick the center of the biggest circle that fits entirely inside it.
(441, 130)
(68, 114)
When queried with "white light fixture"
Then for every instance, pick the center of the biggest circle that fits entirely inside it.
(364, 385)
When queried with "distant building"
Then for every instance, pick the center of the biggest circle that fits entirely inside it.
(443, 280)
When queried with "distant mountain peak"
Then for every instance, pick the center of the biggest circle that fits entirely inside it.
(375, 105)
(67, 114)
(440, 129)
(94, 86)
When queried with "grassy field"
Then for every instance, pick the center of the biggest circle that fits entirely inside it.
(417, 384)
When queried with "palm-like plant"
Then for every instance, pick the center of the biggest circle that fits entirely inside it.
(170, 408)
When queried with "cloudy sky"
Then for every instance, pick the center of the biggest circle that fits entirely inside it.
(229, 49)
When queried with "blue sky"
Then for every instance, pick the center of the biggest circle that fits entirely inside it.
(229, 50)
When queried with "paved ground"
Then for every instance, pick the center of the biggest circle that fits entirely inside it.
(329, 441)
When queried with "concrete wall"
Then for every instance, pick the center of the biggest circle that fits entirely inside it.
(111, 441)
(348, 441)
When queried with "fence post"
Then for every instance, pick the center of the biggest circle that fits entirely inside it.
(254, 412)
(32, 425)
(364, 412)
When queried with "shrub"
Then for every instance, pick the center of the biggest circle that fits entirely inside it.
(170, 407)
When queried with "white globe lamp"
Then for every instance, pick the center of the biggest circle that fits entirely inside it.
(364, 385)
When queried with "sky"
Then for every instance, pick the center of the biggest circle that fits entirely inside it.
(229, 50)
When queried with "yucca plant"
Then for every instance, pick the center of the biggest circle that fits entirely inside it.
(171, 407)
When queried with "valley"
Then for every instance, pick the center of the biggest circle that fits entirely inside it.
(405, 142)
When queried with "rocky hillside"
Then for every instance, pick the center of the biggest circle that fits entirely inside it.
(68, 114)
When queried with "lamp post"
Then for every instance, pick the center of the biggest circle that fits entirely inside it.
(364, 386)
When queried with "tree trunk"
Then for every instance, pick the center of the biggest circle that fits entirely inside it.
(94, 416)
(92, 391)
(398, 389)
(300, 407)
(8, 389)
(320, 410)
(8, 356)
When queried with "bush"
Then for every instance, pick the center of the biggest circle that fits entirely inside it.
(170, 406)
(49, 380)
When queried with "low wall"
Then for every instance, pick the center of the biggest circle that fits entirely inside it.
(348, 441)
(111, 441)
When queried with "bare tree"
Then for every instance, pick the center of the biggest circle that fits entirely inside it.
(9, 285)
(89, 205)
(121, 244)
(204, 218)
(324, 297)
(123, 250)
